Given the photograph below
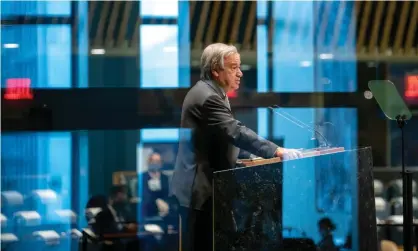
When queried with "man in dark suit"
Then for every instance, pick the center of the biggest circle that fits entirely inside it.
(155, 187)
(112, 218)
(211, 139)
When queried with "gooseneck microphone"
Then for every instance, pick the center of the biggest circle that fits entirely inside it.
(299, 123)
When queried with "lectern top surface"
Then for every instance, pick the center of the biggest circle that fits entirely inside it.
(307, 153)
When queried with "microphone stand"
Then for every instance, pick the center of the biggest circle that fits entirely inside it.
(407, 205)
(300, 124)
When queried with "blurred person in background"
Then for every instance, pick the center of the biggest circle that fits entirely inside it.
(211, 139)
(113, 218)
(326, 227)
(155, 188)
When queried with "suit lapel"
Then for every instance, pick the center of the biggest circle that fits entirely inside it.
(219, 91)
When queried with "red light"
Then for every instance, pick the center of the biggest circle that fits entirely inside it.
(232, 94)
(18, 89)
(411, 86)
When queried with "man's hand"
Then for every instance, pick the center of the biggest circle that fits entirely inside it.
(288, 154)
(162, 207)
(131, 227)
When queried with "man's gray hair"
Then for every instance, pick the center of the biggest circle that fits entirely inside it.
(213, 58)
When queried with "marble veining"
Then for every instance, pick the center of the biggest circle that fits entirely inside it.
(248, 203)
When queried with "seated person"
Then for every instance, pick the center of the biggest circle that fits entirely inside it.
(112, 219)
(326, 227)
(155, 188)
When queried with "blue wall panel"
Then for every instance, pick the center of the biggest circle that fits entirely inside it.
(293, 47)
(42, 54)
(165, 48)
(83, 44)
(159, 9)
(159, 58)
(35, 8)
(33, 161)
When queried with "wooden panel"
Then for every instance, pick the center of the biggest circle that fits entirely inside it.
(98, 40)
(214, 16)
(197, 43)
(401, 27)
(387, 26)
(412, 29)
(363, 26)
(376, 26)
(112, 24)
(124, 24)
(237, 21)
(224, 23)
(246, 44)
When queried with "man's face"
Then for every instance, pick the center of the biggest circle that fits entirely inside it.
(121, 197)
(231, 75)
(155, 163)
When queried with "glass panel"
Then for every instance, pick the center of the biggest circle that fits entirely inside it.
(262, 9)
(335, 43)
(40, 194)
(41, 53)
(83, 45)
(293, 50)
(389, 99)
(161, 9)
(262, 59)
(263, 123)
(35, 8)
(62, 162)
(148, 55)
(339, 126)
(309, 53)
(184, 55)
(159, 53)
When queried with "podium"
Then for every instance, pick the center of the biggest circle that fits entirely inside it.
(254, 203)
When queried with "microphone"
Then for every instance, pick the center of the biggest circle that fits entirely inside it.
(299, 123)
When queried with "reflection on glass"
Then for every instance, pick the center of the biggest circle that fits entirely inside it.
(159, 56)
(293, 49)
(309, 56)
(325, 187)
(262, 59)
(262, 122)
(39, 165)
(9, 9)
(42, 54)
(262, 9)
(162, 9)
(36, 186)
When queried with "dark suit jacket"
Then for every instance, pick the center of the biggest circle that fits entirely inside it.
(327, 244)
(107, 224)
(210, 140)
(149, 196)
